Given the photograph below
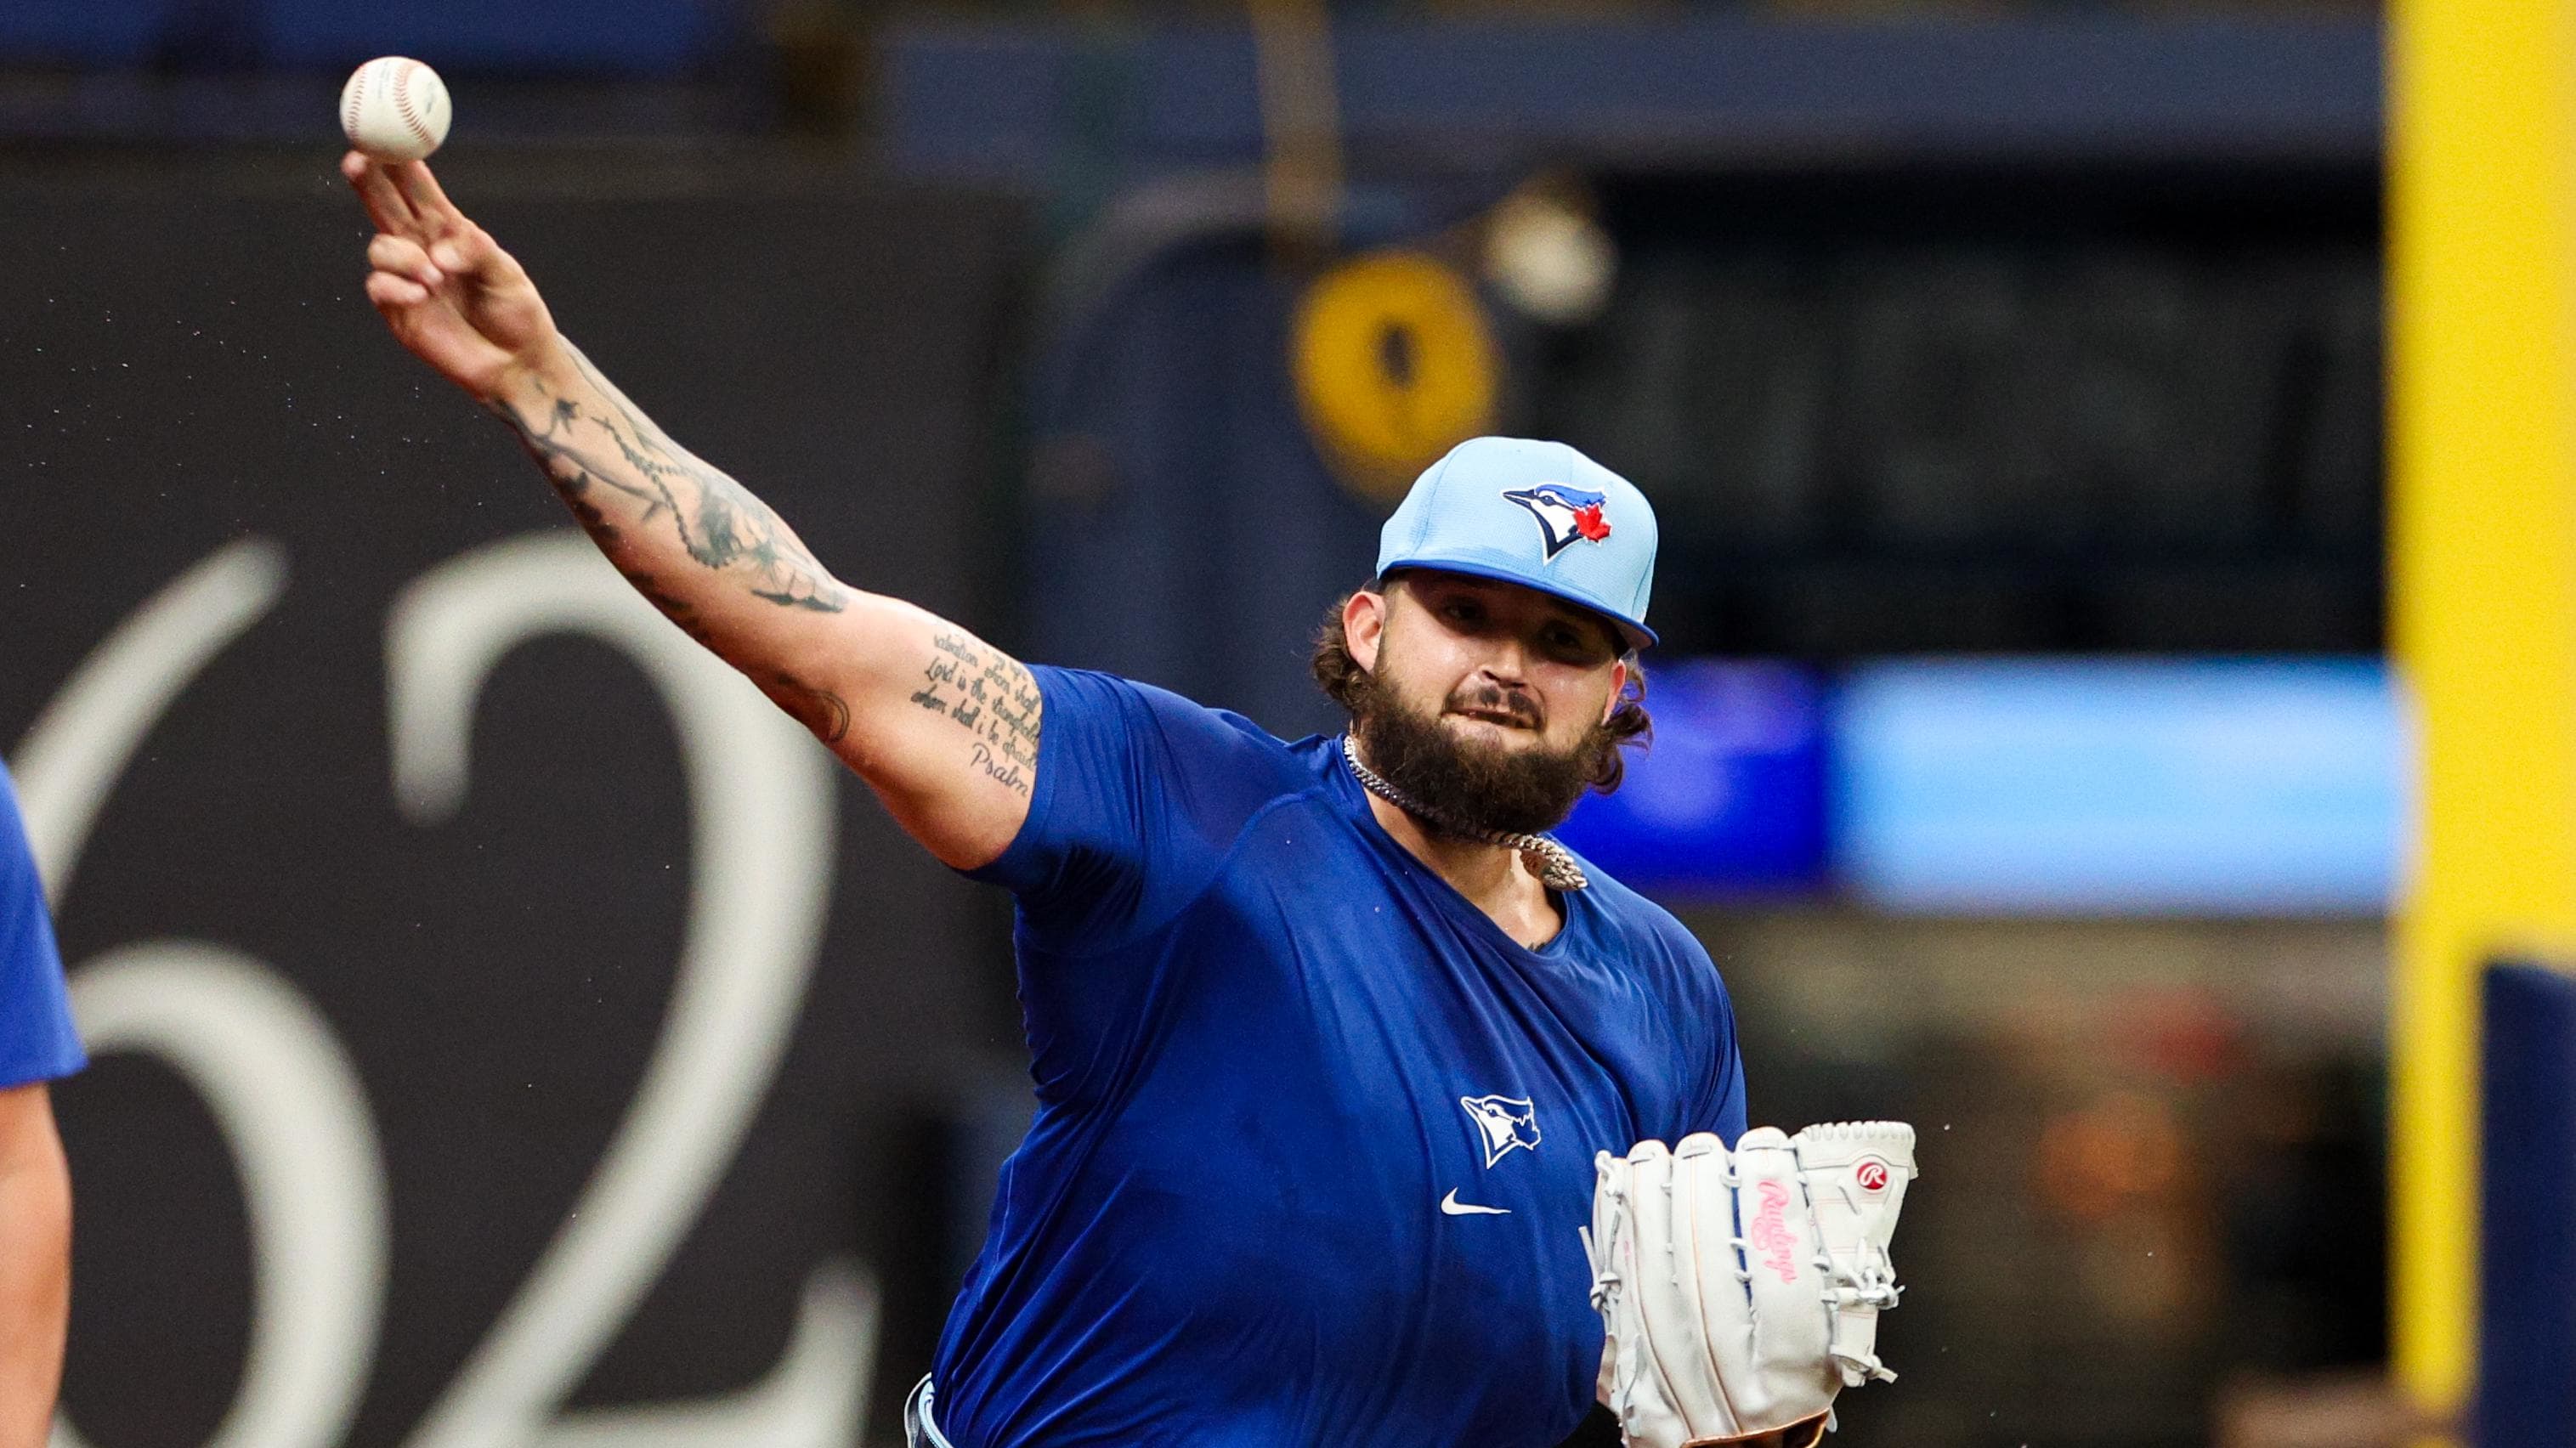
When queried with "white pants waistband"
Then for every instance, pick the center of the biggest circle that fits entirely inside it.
(918, 1428)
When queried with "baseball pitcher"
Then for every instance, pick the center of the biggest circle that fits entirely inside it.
(1353, 1086)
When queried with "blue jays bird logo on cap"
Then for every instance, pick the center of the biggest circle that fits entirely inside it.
(1564, 514)
(1467, 513)
(1506, 1122)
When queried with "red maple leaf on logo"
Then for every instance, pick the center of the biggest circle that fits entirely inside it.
(1588, 522)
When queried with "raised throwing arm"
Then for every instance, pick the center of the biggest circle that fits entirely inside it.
(941, 724)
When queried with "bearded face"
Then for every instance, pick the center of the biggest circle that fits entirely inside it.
(1483, 751)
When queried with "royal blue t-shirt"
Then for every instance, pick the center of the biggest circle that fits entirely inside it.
(37, 1042)
(1314, 1135)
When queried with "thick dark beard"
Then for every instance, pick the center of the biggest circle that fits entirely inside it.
(1472, 788)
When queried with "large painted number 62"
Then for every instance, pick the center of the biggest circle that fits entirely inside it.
(290, 1103)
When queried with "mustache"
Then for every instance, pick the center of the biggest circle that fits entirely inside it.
(1512, 704)
(1471, 785)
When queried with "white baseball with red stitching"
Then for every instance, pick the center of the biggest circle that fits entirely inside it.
(395, 109)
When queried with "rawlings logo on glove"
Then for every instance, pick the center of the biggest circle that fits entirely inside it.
(1741, 1292)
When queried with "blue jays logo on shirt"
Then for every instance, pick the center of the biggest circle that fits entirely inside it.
(1564, 514)
(1506, 1122)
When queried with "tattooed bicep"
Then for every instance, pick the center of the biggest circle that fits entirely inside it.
(991, 699)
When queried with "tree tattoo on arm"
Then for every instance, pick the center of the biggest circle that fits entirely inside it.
(991, 696)
(607, 443)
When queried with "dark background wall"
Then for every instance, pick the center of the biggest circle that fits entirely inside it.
(186, 362)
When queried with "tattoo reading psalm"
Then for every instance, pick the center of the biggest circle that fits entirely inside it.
(719, 522)
(990, 695)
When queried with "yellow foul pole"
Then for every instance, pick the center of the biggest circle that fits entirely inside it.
(2482, 486)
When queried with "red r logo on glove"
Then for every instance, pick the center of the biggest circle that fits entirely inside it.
(1872, 1175)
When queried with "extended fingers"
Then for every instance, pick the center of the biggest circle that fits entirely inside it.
(385, 204)
(420, 191)
(403, 197)
(385, 289)
(403, 257)
(469, 252)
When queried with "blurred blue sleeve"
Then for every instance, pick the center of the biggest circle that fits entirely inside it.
(1725, 1106)
(37, 1042)
(1714, 1099)
(1720, 1103)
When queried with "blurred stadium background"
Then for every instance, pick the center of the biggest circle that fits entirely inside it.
(507, 1037)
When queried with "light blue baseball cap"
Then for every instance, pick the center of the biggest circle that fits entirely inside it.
(1538, 514)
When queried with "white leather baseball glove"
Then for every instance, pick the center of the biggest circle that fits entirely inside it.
(1741, 1291)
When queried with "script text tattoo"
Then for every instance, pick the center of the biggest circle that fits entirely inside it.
(990, 695)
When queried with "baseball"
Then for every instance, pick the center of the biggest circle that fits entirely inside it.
(394, 109)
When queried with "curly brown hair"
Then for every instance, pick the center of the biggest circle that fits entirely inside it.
(1347, 684)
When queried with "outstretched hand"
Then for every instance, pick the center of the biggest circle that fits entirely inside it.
(451, 295)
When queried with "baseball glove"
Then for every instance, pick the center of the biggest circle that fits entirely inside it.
(1741, 1291)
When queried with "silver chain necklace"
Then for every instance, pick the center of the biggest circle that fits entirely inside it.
(1553, 863)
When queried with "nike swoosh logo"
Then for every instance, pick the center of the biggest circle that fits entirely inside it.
(1451, 1206)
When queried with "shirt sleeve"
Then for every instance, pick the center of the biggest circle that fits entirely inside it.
(1716, 1102)
(1139, 793)
(37, 1041)
(1723, 1108)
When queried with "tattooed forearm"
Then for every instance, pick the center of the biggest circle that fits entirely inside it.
(675, 608)
(729, 573)
(600, 447)
(990, 695)
(820, 710)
